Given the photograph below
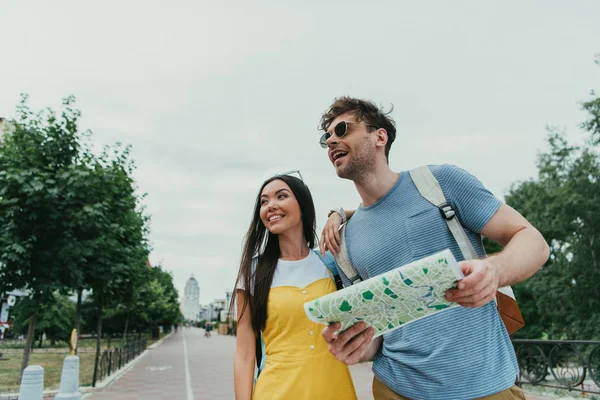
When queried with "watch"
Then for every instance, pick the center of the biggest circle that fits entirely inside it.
(340, 211)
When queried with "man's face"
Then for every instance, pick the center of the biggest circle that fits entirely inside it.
(353, 154)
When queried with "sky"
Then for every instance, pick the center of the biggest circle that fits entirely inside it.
(216, 97)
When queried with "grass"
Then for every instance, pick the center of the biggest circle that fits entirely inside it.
(52, 364)
(83, 343)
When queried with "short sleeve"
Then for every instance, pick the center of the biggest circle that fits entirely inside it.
(331, 264)
(329, 261)
(241, 285)
(474, 204)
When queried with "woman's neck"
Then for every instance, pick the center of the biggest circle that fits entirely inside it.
(292, 245)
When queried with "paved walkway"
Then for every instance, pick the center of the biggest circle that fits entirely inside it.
(187, 366)
(163, 374)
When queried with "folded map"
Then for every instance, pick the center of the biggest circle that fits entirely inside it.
(393, 299)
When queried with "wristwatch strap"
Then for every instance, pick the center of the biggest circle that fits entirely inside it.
(340, 211)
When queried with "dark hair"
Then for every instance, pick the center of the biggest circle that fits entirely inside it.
(364, 111)
(263, 246)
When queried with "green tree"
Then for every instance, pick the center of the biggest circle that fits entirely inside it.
(69, 220)
(563, 298)
(157, 301)
(120, 252)
(40, 159)
(54, 320)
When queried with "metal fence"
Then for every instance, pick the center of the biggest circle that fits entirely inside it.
(114, 359)
(563, 364)
(8, 343)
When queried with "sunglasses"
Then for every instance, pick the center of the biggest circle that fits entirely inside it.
(340, 130)
(295, 173)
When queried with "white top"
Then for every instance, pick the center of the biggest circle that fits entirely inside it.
(299, 273)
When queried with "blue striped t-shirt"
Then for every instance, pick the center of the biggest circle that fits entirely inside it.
(462, 353)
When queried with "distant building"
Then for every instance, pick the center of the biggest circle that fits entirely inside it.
(191, 300)
(7, 300)
(204, 313)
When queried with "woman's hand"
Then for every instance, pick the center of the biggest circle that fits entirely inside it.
(330, 237)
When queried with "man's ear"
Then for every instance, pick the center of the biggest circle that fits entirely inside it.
(381, 137)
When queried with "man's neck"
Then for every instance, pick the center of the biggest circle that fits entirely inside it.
(373, 186)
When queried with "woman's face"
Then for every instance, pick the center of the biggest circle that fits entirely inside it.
(279, 209)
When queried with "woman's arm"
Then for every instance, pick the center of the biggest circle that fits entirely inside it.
(330, 237)
(245, 352)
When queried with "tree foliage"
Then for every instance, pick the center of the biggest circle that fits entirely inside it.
(41, 161)
(56, 318)
(155, 303)
(70, 221)
(563, 299)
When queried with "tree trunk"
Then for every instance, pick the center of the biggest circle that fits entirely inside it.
(98, 342)
(125, 331)
(78, 315)
(28, 344)
(41, 340)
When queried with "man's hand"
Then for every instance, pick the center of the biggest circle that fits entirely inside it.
(478, 287)
(330, 237)
(346, 347)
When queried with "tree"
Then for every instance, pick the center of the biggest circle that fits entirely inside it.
(69, 220)
(40, 159)
(54, 319)
(120, 252)
(157, 301)
(563, 298)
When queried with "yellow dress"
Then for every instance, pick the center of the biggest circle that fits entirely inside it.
(298, 364)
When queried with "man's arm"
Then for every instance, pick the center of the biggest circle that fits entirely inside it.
(349, 348)
(524, 253)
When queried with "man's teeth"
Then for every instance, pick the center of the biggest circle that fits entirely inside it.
(338, 155)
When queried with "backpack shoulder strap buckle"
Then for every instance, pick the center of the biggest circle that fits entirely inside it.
(447, 211)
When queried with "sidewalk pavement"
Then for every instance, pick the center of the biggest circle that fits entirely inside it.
(188, 366)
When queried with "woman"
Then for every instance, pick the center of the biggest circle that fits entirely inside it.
(283, 272)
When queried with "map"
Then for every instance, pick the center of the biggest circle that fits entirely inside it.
(393, 299)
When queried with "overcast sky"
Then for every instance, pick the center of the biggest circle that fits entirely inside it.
(215, 97)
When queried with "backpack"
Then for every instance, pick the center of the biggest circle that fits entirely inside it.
(431, 190)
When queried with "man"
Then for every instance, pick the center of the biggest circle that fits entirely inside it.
(462, 353)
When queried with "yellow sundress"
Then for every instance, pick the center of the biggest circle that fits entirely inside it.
(298, 364)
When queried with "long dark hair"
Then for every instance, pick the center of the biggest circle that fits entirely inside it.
(263, 246)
